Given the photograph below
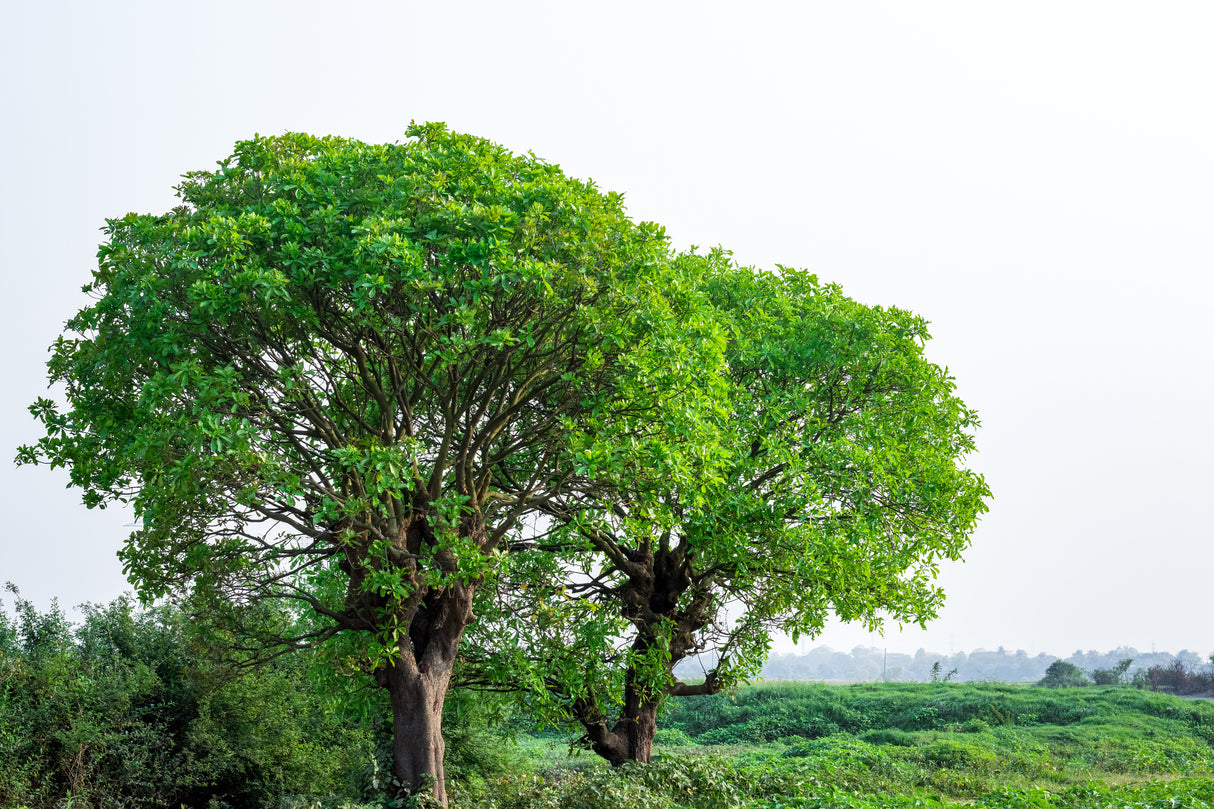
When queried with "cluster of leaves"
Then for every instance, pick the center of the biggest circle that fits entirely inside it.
(815, 470)
(124, 709)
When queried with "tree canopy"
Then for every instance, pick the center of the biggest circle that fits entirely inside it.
(342, 373)
(405, 385)
(824, 474)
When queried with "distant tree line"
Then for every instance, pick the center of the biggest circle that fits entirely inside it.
(1181, 676)
(1157, 670)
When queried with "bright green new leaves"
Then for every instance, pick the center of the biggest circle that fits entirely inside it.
(350, 361)
(375, 378)
(853, 443)
(817, 469)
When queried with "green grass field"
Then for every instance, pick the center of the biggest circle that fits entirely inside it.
(899, 744)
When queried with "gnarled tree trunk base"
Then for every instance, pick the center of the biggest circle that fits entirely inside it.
(417, 732)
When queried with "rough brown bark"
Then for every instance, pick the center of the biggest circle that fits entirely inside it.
(605, 741)
(417, 684)
(652, 595)
(631, 737)
(417, 732)
(639, 723)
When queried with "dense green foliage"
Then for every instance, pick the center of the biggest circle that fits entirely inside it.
(343, 374)
(824, 474)
(402, 385)
(125, 709)
(1062, 674)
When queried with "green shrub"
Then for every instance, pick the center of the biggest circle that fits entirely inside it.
(1062, 674)
(671, 737)
(959, 755)
(121, 710)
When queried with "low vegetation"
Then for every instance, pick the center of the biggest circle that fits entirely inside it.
(124, 709)
(894, 744)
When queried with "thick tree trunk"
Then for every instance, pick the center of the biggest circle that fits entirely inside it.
(607, 743)
(417, 731)
(652, 596)
(417, 684)
(631, 737)
(638, 725)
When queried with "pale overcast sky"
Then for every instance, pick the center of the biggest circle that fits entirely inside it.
(1035, 178)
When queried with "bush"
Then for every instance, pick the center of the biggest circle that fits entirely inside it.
(121, 711)
(957, 755)
(671, 737)
(1062, 674)
(1177, 679)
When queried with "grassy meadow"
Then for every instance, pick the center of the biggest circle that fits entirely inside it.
(895, 744)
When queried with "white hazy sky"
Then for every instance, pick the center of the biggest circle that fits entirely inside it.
(1035, 178)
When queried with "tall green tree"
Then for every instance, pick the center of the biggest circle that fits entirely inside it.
(824, 473)
(342, 374)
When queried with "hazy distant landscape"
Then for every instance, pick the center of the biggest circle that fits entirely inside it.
(871, 664)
